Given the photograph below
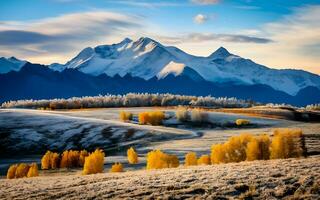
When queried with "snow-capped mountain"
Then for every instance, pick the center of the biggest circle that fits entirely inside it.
(147, 58)
(10, 64)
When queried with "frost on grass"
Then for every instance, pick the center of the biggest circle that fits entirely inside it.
(182, 114)
(128, 100)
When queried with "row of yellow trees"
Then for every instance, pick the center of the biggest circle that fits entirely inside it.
(22, 170)
(157, 117)
(286, 143)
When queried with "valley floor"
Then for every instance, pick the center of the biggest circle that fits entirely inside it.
(273, 179)
(24, 131)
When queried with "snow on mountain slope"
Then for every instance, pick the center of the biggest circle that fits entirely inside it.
(147, 58)
(10, 64)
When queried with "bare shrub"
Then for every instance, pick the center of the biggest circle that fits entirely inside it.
(116, 167)
(94, 163)
(204, 160)
(182, 114)
(190, 159)
(125, 116)
(198, 116)
(286, 143)
(132, 156)
(156, 159)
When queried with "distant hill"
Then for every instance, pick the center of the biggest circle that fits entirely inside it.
(35, 81)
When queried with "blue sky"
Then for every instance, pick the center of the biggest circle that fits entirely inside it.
(277, 33)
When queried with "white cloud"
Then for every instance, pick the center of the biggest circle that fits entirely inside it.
(65, 35)
(200, 18)
(205, 2)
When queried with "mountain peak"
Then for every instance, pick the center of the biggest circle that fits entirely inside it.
(126, 41)
(221, 52)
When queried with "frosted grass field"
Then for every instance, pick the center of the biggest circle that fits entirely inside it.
(25, 134)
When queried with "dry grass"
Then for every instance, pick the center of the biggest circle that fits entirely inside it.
(271, 179)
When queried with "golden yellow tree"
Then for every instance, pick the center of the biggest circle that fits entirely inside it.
(64, 162)
(286, 143)
(22, 170)
(94, 163)
(82, 156)
(204, 160)
(116, 167)
(33, 170)
(125, 116)
(190, 159)
(54, 161)
(12, 171)
(46, 160)
(156, 159)
(132, 156)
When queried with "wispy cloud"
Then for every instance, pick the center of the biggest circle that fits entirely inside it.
(66, 34)
(206, 37)
(146, 4)
(205, 2)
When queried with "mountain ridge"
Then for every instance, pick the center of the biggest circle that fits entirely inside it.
(146, 58)
(36, 81)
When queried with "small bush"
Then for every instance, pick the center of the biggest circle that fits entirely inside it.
(182, 114)
(242, 122)
(116, 167)
(22, 170)
(198, 116)
(94, 163)
(153, 117)
(156, 159)
(132, 156)
(33, 170)
(125, 116)
(12, 171)
(190, 159)
(286, 143)
(204, 160)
